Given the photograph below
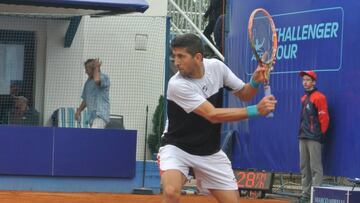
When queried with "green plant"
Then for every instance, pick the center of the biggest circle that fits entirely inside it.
(158, 121)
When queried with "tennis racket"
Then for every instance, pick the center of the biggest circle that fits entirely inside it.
(263, 41)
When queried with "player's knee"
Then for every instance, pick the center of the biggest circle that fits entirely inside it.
(171, 192)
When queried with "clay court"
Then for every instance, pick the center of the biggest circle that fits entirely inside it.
(47, 197)
(49, 152)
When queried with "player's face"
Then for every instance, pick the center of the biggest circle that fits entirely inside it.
(186, 64)
(308, 82)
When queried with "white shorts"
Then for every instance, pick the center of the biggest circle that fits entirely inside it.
(211, 172)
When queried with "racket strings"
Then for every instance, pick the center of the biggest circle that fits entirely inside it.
(263, 37)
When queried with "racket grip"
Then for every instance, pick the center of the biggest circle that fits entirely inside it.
(267, 91)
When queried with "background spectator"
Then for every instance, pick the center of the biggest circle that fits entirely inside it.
(22, 114)
(215, 9)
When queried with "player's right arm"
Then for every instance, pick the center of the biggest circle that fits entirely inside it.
(219, 115)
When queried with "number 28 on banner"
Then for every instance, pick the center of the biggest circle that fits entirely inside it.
(254, 180)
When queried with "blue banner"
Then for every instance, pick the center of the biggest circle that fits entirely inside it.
(321, 195)
(321, 28)
(335, 194)
(320, 35)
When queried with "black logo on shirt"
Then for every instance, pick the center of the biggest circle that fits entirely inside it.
(204, 88)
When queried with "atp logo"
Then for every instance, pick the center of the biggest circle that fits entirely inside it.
(204, 88)
(259, 47)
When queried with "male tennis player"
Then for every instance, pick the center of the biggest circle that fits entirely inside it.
(192, 135)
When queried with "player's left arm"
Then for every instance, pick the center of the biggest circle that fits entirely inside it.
(219, 115)
(323, 113)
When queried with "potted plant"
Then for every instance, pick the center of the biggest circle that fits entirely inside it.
(158, 121)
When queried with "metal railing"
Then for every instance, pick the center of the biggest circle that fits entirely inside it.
(194, 9)
(186, 16)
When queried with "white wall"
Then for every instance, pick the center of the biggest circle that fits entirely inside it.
(64, 69)
(136, 76)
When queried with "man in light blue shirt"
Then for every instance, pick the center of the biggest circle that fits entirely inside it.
(95, 95)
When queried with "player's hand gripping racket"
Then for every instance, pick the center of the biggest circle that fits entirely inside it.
(263, 41)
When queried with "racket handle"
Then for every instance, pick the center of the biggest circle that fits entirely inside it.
(267, 90)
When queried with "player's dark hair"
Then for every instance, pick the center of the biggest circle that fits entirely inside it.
(191, 42)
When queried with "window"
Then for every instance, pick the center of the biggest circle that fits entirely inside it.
(17, 59)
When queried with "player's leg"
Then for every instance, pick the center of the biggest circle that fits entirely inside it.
(226, 196)
(172, 182)
(214, 173)
(173, 170)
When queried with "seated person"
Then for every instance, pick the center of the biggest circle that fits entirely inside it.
(22, 114)
(7, 101)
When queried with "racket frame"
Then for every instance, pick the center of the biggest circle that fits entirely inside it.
(269, 63)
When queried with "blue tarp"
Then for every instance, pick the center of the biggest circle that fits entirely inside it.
(117, 6)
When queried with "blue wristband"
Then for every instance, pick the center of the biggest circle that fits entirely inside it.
(253, 83)
(252, 111)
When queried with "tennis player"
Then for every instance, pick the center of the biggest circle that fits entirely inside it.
(192, 136)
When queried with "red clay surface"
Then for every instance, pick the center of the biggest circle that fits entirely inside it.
(55, 197)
